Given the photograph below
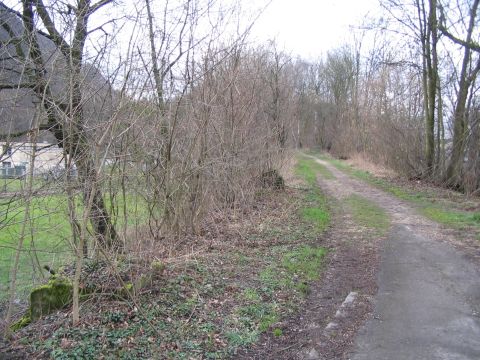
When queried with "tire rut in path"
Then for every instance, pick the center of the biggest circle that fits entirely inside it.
(428, 300)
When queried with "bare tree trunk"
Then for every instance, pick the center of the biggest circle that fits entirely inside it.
(440, 152)
(454, 170)
(72, 136)
(472, 172)
(428, 36)
(432, 87)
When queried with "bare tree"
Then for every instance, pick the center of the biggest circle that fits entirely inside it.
(65, 115)
(467, 76)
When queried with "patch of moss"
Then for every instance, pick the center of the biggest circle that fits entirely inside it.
(54, 295)
(24, 321)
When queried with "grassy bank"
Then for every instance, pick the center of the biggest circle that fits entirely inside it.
(257, 271)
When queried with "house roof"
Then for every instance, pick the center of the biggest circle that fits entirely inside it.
(17, 105)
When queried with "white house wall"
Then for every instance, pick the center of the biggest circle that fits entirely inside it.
(47, 156)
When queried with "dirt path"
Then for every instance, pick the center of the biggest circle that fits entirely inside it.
(428, 300)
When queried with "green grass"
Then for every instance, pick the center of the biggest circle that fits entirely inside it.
(277, 332)
(297, 268)
(459, 219)
(428, 206)
(295, 271)
(317, 215)
(16, 185)
(308, 169)
(46, 241)
(47, 237)
(250, 294)
(368, 214)
(317, 212)
(259, 314)
(304, 262)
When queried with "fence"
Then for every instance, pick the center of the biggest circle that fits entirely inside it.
(17, 172)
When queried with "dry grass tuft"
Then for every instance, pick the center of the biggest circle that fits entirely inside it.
(361, 161)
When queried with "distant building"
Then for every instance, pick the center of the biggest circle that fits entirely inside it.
(16, 159)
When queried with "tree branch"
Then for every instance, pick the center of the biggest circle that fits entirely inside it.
(97, 6)
(468, 43)
(471, 45)
(56, 37)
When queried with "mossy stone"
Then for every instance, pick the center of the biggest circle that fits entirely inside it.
(54, 295)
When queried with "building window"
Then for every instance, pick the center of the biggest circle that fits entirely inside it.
(6, 164)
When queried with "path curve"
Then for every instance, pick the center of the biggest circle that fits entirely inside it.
(428, 300)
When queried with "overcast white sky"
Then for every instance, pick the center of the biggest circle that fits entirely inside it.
(311, 27)
(308, 28)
